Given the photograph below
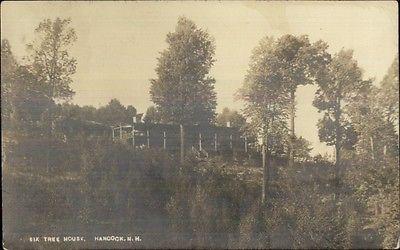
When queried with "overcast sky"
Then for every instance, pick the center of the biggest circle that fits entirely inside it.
(118, 42)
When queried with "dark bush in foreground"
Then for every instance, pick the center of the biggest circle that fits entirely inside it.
(115, 190)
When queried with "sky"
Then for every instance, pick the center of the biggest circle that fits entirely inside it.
(119, 42)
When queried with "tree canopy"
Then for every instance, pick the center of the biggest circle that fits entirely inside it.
(280, 65)
(389, 95)
(8, 67)
(235, 118)
(183, 91)
(303, 208)
(341, 84)
(50, 60)
(115, 113)
(152, 115)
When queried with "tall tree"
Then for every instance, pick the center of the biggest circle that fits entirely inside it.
(183, 91)
(50, 59)
(30, 106)
(376, 157)
(52, 66)
(266, 100)
(22, 101)
(389, 93)
(8, 67)
(338, 88)
(298, 62)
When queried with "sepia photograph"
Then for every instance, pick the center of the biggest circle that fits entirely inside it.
(200, 125)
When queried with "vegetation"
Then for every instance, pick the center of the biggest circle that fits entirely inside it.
(49, 58)
(341, 85)
(233, 117)
(265, 99)
(278, 67)
(83, 183)
(152, 115)
(184, 91)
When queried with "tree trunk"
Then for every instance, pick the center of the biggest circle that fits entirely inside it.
(265, 166)
(371, 140)
(182, 132)
(49, 143)
(292, 136)
(338, 145)
(337, 162)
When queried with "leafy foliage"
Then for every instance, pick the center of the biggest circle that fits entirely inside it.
(265, 98)
(341, 85)
(389, 95)
(152, 115)
(87, 182)
(184, 91)
(232, 116)
(50, 60)
(8, 67)
(297, 62)
(302, 150)
(374, 163)
(23, 103)
(114, 113)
